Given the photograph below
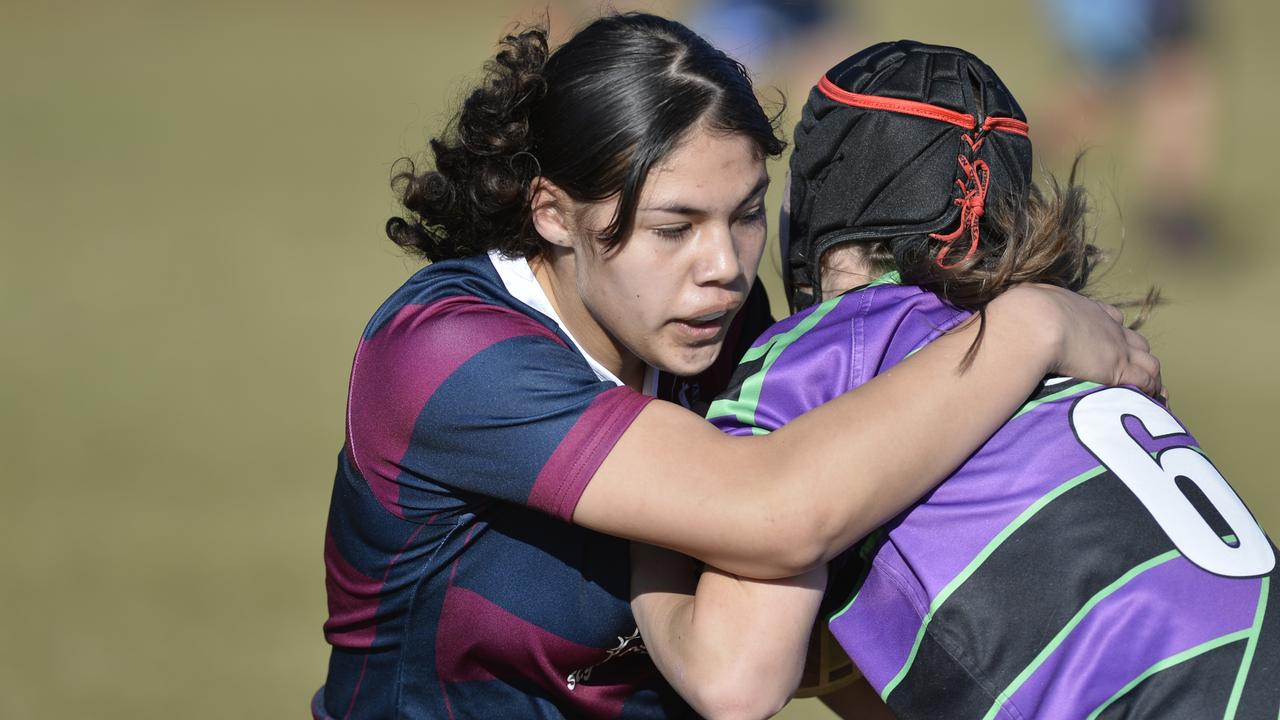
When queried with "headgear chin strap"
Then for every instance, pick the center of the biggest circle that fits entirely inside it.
(901, 140)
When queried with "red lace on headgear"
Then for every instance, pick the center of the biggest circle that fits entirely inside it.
(972, 202)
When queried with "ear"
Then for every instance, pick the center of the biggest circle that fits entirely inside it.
(550, 209)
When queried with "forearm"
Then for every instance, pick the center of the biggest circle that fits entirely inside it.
(731, 647)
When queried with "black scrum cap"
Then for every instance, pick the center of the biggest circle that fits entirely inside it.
(900, 141)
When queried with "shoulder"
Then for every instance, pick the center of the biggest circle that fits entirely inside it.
(808, 327)
(894, 321)
(906, 305)
(459, 387)
(453, 293)
(795, 365)
(451, 325)
(823, 351)
(446, 313)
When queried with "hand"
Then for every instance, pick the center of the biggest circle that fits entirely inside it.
(1087, 338)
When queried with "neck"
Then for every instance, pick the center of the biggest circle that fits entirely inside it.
(845, 267)
(556, 275)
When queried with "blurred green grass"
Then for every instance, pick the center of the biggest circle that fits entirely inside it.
(191, 202)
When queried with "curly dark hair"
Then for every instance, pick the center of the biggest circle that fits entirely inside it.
(592, 117)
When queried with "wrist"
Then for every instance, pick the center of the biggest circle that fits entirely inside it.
(1033, 325)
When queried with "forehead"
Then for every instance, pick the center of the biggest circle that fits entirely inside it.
(706, 165)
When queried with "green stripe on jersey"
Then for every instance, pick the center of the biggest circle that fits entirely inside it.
(1169, 662)
(743, 407)
(893, 277)
(1073, 390)
(1066, 630)
(977, 561)
(1247, 660)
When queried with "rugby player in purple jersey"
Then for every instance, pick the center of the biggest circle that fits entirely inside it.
(1088, 561)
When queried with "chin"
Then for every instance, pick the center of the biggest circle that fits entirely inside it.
(688, 361)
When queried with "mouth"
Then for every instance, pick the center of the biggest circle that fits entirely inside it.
(709, 318)
(706, 326)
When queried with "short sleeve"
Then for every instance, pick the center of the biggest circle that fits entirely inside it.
(460, 402)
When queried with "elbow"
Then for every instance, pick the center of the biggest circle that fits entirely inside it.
(809, 538)
(741, 709)
(777, 554)
(741, 696)
(742, 680)
(735, 681)
(797, 556)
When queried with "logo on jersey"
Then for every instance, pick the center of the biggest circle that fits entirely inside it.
(632, 644)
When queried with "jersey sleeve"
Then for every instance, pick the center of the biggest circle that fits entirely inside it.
(460, 402)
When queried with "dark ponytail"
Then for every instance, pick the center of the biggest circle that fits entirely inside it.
(475, 197)
(593, 117)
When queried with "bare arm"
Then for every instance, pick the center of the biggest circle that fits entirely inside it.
(779, 505)
(735, 647)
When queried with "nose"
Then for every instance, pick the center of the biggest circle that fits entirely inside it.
(718, 262)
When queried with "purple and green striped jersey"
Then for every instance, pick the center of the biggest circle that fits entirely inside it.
(1087, 562)
(457, 585)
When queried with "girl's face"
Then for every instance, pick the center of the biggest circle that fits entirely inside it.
(667, 294)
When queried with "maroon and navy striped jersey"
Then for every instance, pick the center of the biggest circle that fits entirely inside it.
(458, 586)
(1088, 561)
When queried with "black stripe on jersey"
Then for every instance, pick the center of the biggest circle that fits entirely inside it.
(848, 571)
(1194, 689)
(1046, 393)
(1261, 695)
(1045, 390)
(1015, 602)
(740, 375)
(939, 685)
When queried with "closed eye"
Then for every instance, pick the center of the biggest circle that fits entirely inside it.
(753, 216)
(673, 232)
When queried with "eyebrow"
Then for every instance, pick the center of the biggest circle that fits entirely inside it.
(678, 209)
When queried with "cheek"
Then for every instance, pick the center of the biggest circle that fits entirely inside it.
(644, 295)
(620, 293)
(750, 251)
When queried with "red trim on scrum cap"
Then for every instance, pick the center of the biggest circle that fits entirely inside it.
(919, 109)
(906, 107)
(1006, 124)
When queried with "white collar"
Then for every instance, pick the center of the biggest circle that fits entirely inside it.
(519, 280)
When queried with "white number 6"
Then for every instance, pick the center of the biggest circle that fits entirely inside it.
(1098, 420)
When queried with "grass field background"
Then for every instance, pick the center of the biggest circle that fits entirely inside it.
(191, 204)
